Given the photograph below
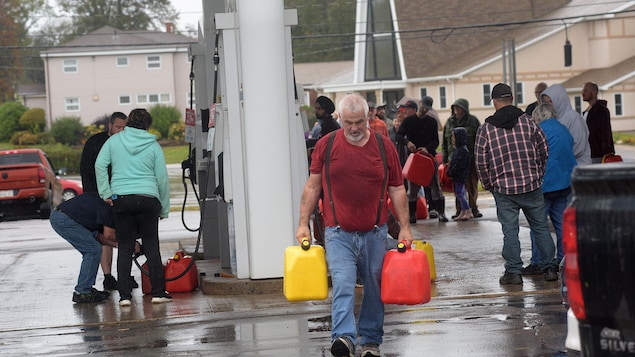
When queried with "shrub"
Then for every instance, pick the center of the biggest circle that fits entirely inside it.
(26, 137)
(177, 132)
(68, 130)
(10, 113)
(92, 129)
(162, 117)
(63, 156)
(33, 120)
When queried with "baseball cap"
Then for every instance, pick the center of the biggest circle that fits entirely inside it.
(501, 90)
(426, 102)
(371, 105)
(408, 104)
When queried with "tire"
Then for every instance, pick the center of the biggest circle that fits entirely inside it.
(46, 206)
(68, 194)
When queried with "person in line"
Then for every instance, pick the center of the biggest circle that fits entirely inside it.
(461, 117)
(419, 133)
(556, 96)
(459, 171)
(598, 120)
(540, 87)
(356, 233)
(324, 108)
(374, 122)
(89, 184)
(87, 223)
(511, 156)
(556, 187)
(139, 192)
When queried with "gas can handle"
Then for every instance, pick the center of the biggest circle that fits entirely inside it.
(306, 244)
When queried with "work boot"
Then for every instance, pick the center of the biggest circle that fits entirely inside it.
(413, 211)
(440, 204)
(432, 210)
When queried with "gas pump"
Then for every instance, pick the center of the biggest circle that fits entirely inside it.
(248, 149)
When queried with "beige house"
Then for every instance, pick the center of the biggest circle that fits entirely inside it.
(110, 70)
(454, 50)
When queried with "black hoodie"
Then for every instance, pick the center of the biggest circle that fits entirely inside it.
(506, 117)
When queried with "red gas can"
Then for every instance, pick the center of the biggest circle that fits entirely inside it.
(146, 286)
(419, 168)
(405, 277)
(177, 265)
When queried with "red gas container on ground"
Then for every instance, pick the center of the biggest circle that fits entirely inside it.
(419, 168)
(176, 265)
(405, 277)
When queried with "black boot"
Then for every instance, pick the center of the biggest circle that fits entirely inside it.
(413, 211)
(440, 204)
(432, 209)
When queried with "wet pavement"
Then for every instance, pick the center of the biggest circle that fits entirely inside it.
(470, 314)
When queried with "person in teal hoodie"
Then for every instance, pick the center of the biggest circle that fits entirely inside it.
(139, 192)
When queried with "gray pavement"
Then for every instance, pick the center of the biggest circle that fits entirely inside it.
(470, 313)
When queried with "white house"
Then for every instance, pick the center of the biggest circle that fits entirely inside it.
(111, 70)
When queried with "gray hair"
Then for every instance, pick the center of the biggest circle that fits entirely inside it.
(355, 104)
(543, 111)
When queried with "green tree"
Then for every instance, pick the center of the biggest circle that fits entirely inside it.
(325, 30)
(10, 113)
(89, 15)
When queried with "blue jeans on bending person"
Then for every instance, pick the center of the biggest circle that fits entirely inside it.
(508, 209)
(83, 240)
(347, 254)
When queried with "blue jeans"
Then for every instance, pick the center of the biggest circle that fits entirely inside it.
(347, 254)
(461, 195)
(554, 209)
(81, 239)
(507, 209)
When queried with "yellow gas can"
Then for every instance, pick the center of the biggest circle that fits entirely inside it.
(305, 276)
(427, 248)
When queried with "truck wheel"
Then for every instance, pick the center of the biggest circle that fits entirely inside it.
(46, 206)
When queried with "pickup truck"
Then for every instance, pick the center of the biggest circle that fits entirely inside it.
(599, 240)
(28, 184)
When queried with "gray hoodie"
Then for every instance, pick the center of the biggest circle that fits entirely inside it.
(568, 117)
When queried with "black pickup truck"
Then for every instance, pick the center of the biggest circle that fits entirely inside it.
(599, 239)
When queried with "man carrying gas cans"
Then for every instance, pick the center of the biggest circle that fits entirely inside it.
(355, 172)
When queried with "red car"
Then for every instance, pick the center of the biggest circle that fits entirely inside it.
(71, 188)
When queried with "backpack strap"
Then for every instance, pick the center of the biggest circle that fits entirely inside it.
(382, 151)
(327, 161)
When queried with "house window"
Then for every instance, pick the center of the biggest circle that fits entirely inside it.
(487, 92)
(520, 98)
(619, 105)
(577, 102)
(443, 99)
(153, 62)
(70, 66)
(122, 61)
(124, 100)
(423, 92)
(153, 98)
(71, 104)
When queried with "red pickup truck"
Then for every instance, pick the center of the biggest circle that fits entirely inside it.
(28, 184)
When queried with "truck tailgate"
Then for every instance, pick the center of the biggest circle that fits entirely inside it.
(18, 176)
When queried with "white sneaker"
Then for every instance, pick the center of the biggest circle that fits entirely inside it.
(125, 302)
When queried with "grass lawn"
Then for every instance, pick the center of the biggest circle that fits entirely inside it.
(175, 154)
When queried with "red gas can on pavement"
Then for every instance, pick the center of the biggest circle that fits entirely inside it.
(405, 277)
(146, 286)
(177, 265)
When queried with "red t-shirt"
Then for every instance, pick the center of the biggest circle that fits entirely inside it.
(356, 177)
